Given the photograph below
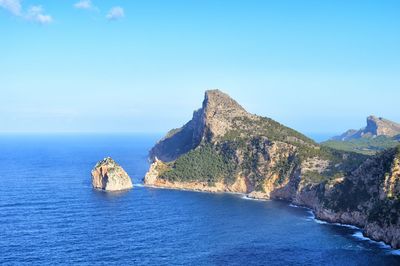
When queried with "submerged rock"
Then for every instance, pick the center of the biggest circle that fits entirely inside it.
(109, 176)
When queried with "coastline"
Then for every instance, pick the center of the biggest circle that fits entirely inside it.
(197, 190)
(359, 234)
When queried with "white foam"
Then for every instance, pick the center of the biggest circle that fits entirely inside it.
(312, 217)
(359, 235)
(320, 221)
(347, 225)
(245, 197)
(395, 252)
(298, 206)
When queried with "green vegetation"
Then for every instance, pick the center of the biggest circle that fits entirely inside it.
(314, 177)
(397, 152)
(347, 196)
(285, 168)
(202, 164)
(385, 212)
(215, 162)
(246, 128)
(359, 191)
(368, 146)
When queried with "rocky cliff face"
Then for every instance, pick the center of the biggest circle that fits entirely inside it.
(109, 176)
(376, 126)
(368, 197)
(211, 121)
(226, 149)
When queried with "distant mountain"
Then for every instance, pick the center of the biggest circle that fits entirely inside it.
(376, 126)
(379, 134)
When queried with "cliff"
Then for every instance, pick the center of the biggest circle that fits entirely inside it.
(368, 197)
(213, 120)
(226, 149)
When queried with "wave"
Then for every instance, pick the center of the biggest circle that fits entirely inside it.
(296, 206)
(358, 234)
(245, 197)
(395, 252)
(313, 218)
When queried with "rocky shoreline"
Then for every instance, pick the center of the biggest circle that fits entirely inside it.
(378, 234)
(389, 235)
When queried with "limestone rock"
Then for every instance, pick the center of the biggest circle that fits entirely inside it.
(109, 176)
(153, 173)
(216, 116)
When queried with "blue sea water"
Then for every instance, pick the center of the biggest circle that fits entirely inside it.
(50, 215)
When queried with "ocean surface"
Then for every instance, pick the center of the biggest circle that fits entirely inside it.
(49, 215)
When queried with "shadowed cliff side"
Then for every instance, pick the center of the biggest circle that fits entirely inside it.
(212, 120)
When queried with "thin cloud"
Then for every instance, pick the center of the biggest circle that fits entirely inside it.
(84, 4)
(115, 13)
(36, 14)
(12, 6)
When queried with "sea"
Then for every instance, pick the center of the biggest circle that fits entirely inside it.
(50, 215)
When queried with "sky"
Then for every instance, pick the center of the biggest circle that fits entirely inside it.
(143, 66)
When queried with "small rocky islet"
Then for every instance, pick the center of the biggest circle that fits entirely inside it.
(107, 175)
(226, 149)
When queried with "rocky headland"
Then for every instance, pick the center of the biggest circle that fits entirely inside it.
(226, 149)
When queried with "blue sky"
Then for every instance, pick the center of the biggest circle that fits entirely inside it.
(143, 66)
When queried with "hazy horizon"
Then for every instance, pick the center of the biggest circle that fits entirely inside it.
(91, 66)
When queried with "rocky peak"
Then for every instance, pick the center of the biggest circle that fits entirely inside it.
(218, 102)
(211, 121)
(218, 112)
(106, 161)
(378, 126)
